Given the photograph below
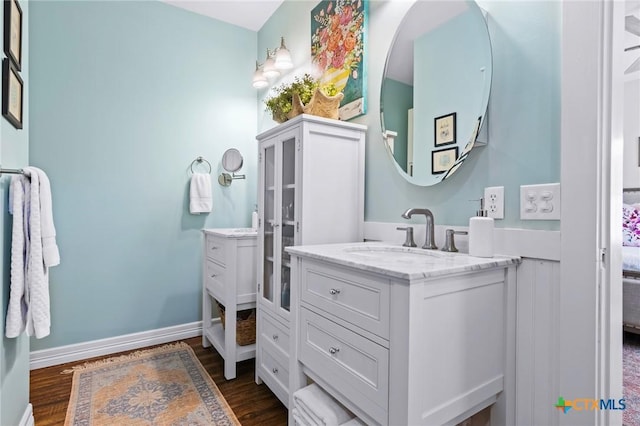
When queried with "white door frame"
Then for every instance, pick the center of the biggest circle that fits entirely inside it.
(589, 336)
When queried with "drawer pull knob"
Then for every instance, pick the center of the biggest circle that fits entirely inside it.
(275, 337)
(333, 350)
(334, 291)
(275, 370)
(214, 247)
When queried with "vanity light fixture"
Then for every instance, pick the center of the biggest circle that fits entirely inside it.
(277, 60)
(259, 80)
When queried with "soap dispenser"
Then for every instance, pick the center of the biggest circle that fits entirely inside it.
(481, 233)
(254, 218)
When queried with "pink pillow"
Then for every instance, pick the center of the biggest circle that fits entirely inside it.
(630, 226)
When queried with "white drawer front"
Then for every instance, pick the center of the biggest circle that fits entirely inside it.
(271, 330)
(358, 299)
(214, 279)
(354, 365)
(216, 248)
(275, 372)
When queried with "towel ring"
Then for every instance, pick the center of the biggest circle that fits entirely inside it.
(199, 160)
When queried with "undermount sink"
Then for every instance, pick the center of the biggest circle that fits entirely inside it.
(395, 253)
(243, 230)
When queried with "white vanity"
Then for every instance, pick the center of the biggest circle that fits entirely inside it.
(404, 336)
(228, 276)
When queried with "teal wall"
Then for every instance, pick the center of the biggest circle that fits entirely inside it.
(125, 95)
(524, 110)
(14, 153)
(399, 99)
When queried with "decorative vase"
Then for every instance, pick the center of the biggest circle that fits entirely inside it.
(319, 104)
(279, 116)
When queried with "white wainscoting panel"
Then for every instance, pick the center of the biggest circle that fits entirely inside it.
(537, 313)
(78, 351)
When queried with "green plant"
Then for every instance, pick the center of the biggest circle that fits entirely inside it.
(280, 104)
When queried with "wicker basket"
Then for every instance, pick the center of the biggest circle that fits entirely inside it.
(245, 325)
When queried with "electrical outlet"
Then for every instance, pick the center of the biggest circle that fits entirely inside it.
(540, 202)
(494, 201)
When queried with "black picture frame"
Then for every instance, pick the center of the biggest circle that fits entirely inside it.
(13, 32)
(444, 130)
(442, 160)
(12, 93)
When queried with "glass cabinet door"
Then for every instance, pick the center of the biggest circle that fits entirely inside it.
(269, 242)
(288, 215)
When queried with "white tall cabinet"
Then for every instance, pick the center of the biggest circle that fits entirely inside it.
(310, 191)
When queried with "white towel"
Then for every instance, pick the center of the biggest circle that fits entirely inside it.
(200, 193)
(37, 273)
(18, 304)
(319, 406)
(50, 252)
(33, 250)
(300, 419)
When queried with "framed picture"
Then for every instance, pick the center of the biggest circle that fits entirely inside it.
(339, 49)
(442, 160)
(445, 129)
(13, 32)
(12, 93)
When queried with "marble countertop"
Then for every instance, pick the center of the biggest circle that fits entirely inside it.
(231, 232)
(400, 262)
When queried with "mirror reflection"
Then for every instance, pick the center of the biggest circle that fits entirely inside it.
(435, 88)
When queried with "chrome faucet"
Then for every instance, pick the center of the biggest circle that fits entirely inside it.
(429, 240)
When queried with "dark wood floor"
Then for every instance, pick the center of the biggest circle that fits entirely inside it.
(252, 404)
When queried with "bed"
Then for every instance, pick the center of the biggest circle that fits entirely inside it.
(631, 260)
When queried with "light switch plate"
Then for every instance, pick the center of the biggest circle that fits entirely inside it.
(494, 201)
(540, 202)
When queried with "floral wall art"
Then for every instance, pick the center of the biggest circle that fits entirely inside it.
(338, 50)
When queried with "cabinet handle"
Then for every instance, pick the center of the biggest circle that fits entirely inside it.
(275, 337)
(334, 291)
(333, 350)
(214, 275)
(275, 370)
(214, 247)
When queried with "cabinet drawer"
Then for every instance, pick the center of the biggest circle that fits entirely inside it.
(275, 372)
(214, 280)
(272, 331)
(359, 299)
(215, 248)
(355, 366)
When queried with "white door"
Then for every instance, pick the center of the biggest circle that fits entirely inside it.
(589, 336)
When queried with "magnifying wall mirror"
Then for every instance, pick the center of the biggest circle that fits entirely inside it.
(232, 162)
(435, 88)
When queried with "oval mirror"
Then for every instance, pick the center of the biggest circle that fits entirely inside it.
(232, 160)
(435, 88)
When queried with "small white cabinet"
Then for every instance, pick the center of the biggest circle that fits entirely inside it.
(310, 191)
(228, 276)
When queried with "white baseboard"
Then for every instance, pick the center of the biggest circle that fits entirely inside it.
(78, 351)
(27, 417)
(507, 241)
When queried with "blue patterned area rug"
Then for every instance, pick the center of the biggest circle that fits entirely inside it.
(159, 386)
